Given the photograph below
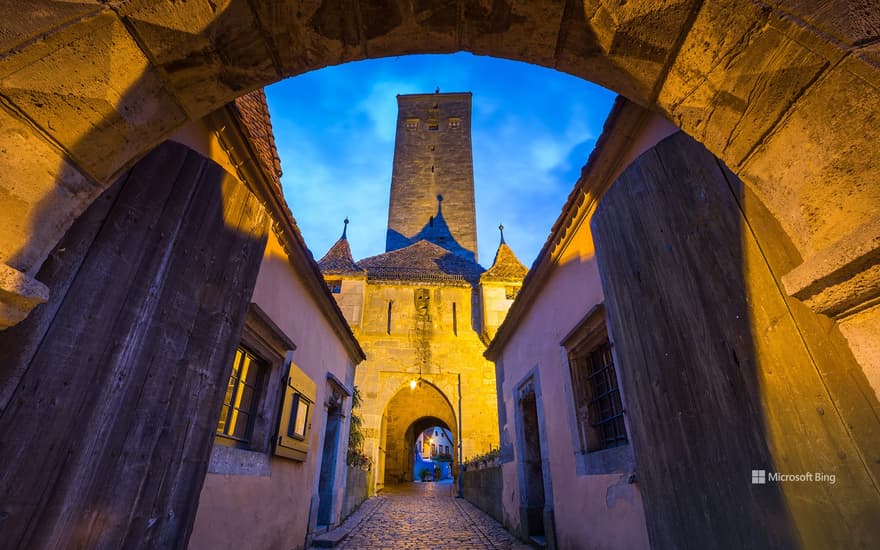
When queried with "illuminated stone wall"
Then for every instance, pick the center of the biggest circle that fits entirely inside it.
(439, 344)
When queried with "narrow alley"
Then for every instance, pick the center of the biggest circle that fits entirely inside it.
(420, 515)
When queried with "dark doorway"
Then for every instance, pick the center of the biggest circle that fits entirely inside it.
(328, 465)
(532, 506)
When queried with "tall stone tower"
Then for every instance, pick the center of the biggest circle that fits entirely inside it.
(425, 309)
(432, 180)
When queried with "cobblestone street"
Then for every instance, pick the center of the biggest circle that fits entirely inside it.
(424, 515)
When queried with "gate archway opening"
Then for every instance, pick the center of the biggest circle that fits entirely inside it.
(409, 412)
(433, 445)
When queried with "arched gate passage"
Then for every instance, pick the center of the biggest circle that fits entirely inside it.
(410, 408)
(785, 94)
(411, 436)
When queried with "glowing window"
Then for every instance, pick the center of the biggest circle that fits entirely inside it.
(242, 397)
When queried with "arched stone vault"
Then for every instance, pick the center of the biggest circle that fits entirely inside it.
(406, 408)
(785, 92)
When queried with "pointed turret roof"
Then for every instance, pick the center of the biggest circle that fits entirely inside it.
(338, 260)
(421, 261)
(506, 266)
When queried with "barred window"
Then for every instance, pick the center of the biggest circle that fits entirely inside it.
(599, 409)
(597, 401)
(240, 404)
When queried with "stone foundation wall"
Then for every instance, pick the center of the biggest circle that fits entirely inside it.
(357, 489)
(482, 488)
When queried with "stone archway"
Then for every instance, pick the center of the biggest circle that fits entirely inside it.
(785, 94)
(409, 408)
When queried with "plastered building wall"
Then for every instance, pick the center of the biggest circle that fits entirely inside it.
(266, 501)
(589, 510)
(613, 506)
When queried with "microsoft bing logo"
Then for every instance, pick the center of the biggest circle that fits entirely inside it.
(759, 477)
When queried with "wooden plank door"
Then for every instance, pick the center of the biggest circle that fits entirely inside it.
(111, 391)
(719, 377)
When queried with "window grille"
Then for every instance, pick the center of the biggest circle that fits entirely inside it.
(597, 398)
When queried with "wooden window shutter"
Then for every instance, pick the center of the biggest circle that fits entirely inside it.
(297, 410)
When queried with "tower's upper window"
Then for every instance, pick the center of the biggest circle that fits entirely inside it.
(412, 123)
(454, 123)
(433, 124)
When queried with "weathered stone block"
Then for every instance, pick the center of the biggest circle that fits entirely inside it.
(19, 294)
(39, 17)
(524, 31)
(819, 190)
(91, 88)
(412, 23)
(625, 47)
(734, 78)
(853, 22)
(36, 185)
(210, 52)
(305, 34)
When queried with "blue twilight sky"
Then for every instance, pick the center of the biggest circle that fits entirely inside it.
(533, 129)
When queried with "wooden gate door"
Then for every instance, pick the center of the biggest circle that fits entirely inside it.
(723, 375)
(111, 391)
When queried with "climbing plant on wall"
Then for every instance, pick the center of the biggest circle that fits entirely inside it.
(356, 456)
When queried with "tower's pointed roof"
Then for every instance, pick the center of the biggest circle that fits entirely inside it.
(338, 260)
(506, 266)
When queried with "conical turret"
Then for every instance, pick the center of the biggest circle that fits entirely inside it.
(338, 260)
(499, 286)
